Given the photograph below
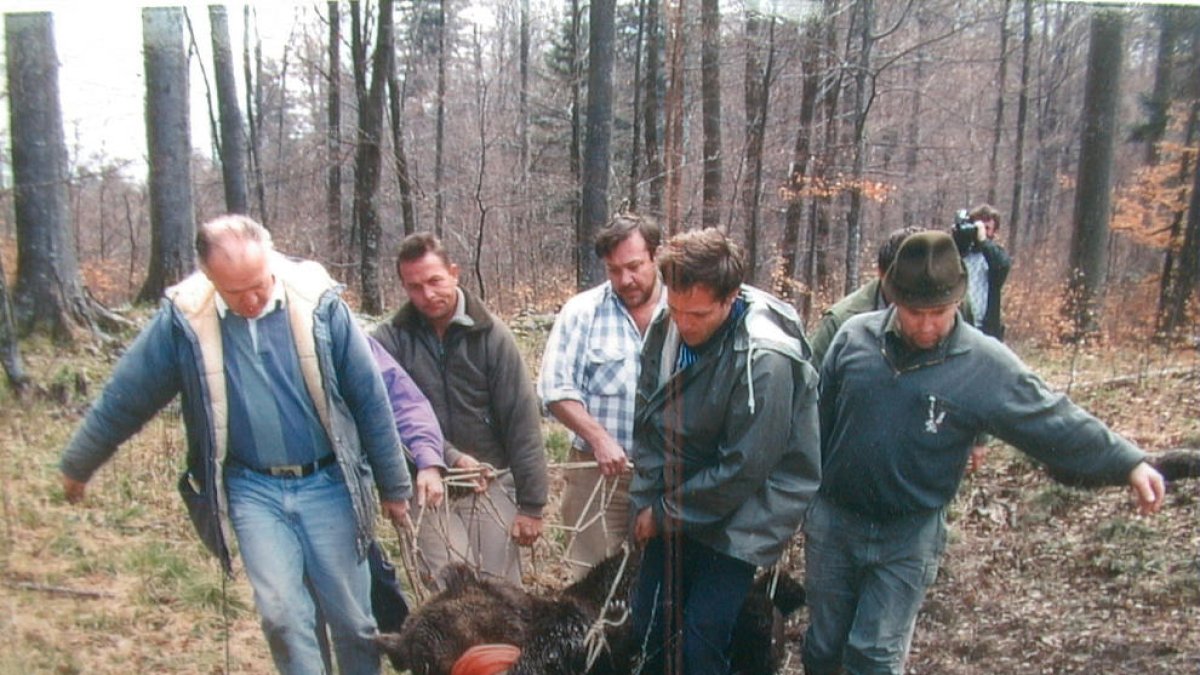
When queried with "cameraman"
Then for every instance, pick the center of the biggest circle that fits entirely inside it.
(987, 265)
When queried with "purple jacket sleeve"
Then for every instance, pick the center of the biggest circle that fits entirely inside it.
(415, 421)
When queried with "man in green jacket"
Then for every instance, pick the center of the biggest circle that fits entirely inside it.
(867, 298)
(904, 393)
(725, 451)
(467, 364)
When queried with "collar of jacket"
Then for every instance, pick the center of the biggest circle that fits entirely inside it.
(302, 280)
(408, 316)
(956, 343)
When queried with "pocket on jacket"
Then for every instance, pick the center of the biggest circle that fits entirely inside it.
(200, 511)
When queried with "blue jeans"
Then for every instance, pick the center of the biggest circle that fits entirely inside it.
(698, 597)
(865, 582)
(297, 541)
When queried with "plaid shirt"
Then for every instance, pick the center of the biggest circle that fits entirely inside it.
(592, 356)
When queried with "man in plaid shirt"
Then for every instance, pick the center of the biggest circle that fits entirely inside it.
(588, 382)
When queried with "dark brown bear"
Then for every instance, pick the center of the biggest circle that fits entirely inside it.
(551, 631)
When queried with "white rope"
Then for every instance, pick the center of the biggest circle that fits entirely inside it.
(594, 640)
(469, 479)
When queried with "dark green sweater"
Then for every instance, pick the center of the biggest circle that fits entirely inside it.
(480, 391)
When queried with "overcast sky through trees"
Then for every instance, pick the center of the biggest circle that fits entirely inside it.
(101, 78)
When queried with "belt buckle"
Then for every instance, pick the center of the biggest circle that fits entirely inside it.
(288, 471)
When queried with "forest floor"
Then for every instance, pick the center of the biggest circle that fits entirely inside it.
(1037, 578)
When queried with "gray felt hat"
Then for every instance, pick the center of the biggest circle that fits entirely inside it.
(927, 272)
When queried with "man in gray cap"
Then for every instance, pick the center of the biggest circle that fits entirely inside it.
(904, 391)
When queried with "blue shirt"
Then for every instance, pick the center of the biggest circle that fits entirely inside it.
(272, 419)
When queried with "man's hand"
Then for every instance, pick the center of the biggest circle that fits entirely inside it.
(978, 455)
(73, 489)
(526, 529)
(1147, 484)
(397, 512)
(467, 462)
(429, 487)
(644, 528)
(610, 456)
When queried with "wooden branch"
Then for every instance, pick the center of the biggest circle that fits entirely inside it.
(1124, 380)
(1178, 464)
(58, 590)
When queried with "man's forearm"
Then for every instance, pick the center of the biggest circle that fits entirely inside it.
(574, 416)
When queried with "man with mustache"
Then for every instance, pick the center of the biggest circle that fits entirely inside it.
(588, 382)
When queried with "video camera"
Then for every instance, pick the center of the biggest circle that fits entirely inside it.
(965, 231)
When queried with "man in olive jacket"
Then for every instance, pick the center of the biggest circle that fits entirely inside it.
(467, 364)
(726, 451)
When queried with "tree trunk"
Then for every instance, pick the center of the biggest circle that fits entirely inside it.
(757, 98)
(254, 106)
(527, 257)
(358, 66)
(601, 28)
(49, 293)
(1158, 105)
(404, 180)
(1181, 263)
(1157, 109)
(333, 137)
(367, 159)
(912, 128)
(673, 125)
(481, 206)
(1014, 218)
(523, 98)
(439, 162)
(635, 154)
(168, 131)
(1089, 239)
(710, 95)
(819, 268)
(575, 159)
(281, 124)
(233, 138)
(10, 350)
(650, 107)
(801, 158)
(861, 105)
(525, 216)
(1187, 274)
(998, 124)
(1049, 147)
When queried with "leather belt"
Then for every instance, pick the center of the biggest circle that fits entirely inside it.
(291, 470)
